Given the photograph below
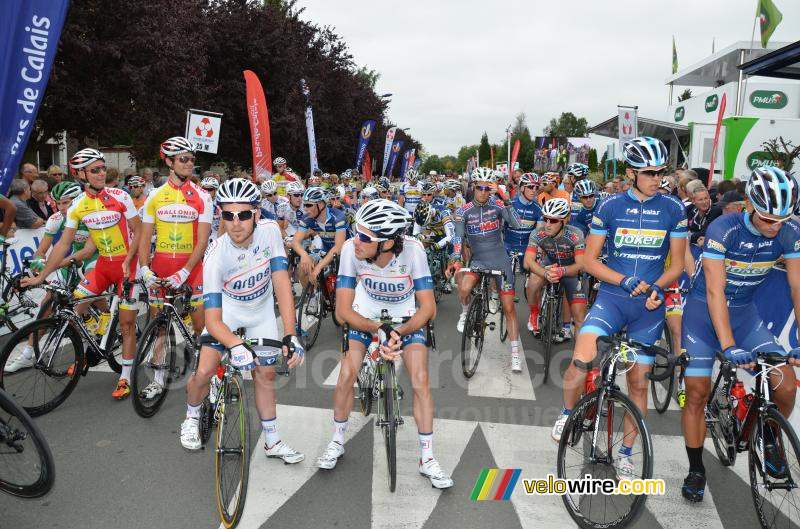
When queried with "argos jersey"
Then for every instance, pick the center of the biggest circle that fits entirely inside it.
(279, 209)
(559, 250)
(582, 217)
(54, 227)
(239, 280)
(748, 255)
(638, 234)
(528, 214)
(175, 212)
(335, 221)
(412, 194)
(482, 225)
(392, 287)
(106, 216)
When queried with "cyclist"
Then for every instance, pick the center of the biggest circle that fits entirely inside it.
(481, 221)
(110, 216)
(136, 185)
(275, 204)
(585, 206)
(410, 191)
(283, 175)
(641, 225)
(384, 188)
(739, 251)
(294, 190)
(528, 214)
(378, 256)
(430, 194)
(241, 272)
(180, 215)
(453, 197)
(434, 223)
(367, 194)
(210, 186)
(561, 247)
(550, 189)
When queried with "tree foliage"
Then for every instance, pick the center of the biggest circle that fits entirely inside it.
(782, 152)
(127, 74)
(567, 125)
(686, 94)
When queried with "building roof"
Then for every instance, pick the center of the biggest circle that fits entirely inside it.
(645, 127)
(783, 63)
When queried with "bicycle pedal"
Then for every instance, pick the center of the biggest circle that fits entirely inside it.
(491, 326)
(400, 421)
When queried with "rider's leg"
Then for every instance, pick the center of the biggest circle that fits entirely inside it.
(349, 366)
(197, 386)
(415, 356)
(266, 403)
(534, 292)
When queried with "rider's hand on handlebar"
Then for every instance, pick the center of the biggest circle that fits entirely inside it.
(655, 297)
(178, 278)
(242, 357)
(37, 264)
(299, 355)
(148, 276)
(794, 356)
(554, 273)
(26, 282)
(740, 357)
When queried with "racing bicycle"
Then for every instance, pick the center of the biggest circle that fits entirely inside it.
(475, 324)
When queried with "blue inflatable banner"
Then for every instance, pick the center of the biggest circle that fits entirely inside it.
(29, 34)
(406, 158)
(367, 128)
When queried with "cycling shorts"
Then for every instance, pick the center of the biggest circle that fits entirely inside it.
(611, 314)
(700, 342)
(365, 338)
(505, 283)
(107, 272)
(265, 356)
(164, 266)
(673, 301)
(574, 287)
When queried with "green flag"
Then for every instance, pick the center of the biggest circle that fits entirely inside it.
(674, 56)
(768, 18)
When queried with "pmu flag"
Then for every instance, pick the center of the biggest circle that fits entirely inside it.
(259, 126)
(367, 128)
(29, 34)
(387, 148)
(396, 148)
(768, 19)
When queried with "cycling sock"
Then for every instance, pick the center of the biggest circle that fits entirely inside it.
(193, 412)
(625, 450)
(534, 310)
(159, 376)
(565, 411)
(426, 446)
(464, 308)
(565, 325)
(270, 427)
(339, 428)
(127, 365)
(696, 459)
(514, 348)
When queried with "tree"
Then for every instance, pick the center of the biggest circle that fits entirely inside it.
(783, 153)
(687, 94)
(484, 150)
(592, 161)
(567, 125)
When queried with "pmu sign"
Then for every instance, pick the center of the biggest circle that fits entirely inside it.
(202, 129)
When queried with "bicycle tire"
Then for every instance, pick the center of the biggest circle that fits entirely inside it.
(474, 327)
(113, 352)
(548, 332)
(140, 378)
(773, 417)
(19, 387)
(43, 482)
(661, 390)
(573, 435)
(503, 326)
(389, 425)
(312, 330)
(725, 429)
(236, 413)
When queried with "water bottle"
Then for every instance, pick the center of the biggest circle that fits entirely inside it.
(738, 394)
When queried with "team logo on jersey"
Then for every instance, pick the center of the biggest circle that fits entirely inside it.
(250, 284)
(753, 269)
(483, 227)
(596, 221)
(639, 238)
(714, 245)
(797, 246)
(403, 269)
(98, 220)
(177, 213)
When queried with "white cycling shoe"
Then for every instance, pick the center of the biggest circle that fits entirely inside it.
(558, 427)
(461, 321)
(330, 456)
(152, 391)
(516, 364)
(19, 363)
(433, 471)
(625, 466)
(281, 450)
(190, 433)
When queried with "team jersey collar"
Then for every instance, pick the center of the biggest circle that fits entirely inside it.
(749, 225)
(183, 185)
(632, 196)
(525, 202)
(91, 192)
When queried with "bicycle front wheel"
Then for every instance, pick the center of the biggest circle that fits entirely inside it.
(548, 332)
(661, 390)
(27, 469)
(309, 316)
(154, 366)
(55, 365)
(233, 450)
(774, 452)
(472, 337)
(389, 423)
(590, 444)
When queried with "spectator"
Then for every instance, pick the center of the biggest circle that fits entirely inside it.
(148, 176)
(112, 177)
(29, 173)
(683, 194)
(699, 213)
(617, 184)
(19, 193)
(40, 201)
(732, 202)
(723, 187)
(54, 175)
(608, 187)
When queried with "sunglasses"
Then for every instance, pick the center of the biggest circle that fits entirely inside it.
(363, 237)
(269, 195)
(531, 186)
(186, 159)
(585, 196)
(309, 205)
(296, 195)
(428, 194)
(548, 220)
(651, 173)
(768, 220)
(135, 187)
(482, 188)
(98, 170)
(238, 215)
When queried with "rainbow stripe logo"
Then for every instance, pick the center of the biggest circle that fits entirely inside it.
(495, 484)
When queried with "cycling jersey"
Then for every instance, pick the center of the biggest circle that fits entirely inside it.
(582, 217)
(455, 202)
(439, 201)
(293, 217)
(528, 214)
(279, 209)
(175, 212)
(412, 194)
(392, 287)
(440, 229)
(215, 218)
(54, 227)
(106, 216)
(557, 193)
(282, 179)
(638, 234)
(560, 250)
(335, 221)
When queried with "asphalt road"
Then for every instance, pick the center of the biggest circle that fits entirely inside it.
(115, 469)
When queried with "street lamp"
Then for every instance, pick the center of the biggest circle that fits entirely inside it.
(385, 95)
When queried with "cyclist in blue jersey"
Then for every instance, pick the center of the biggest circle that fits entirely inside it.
(329, 224)
(578, 171)
(528, 214)
(642, 226)
(585, 205)
(739, 250)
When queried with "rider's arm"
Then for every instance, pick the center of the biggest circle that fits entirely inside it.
(44, 245)
(60, 250)
(203, 234)
(346, 293)
(509, 214)
(458, 236)
(135, 225)
(341, 236)
(592, 263)
(714, 270)
(793, 277)
(449, 233)
(677, 248)
(81, 255)
(531, 253)
(9, 214)
(297, 240)
(144, 243)
(280, 281)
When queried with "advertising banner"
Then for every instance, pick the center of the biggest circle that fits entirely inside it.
(367, 128)
(259, 126)
(387, 148)
(203, 128)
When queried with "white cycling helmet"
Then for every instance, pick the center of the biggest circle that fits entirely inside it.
(209, 183)
(772, 191)
(452, 185)
(369, 193)
(411, 175)
(585, 188)
(556, 208)
(84, 157)
(238, 191)
(279, 161)
(603, 195)
(314, 195)
(269, 187)
(341, 191)
(483, 174)
(295, 188)
(383, 217)
(176, 145)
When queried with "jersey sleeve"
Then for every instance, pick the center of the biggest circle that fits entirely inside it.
(533, 240)
(715, 244)
(53, 224)
(212, 277)
(789, 237)
(149, 208)
(127, 202)
(207, 215)
(305, 224)
(601, 219)
(339, 221)
(72, 214)
(346, 276)
(580, 242)
(420, 273)
(680, 225)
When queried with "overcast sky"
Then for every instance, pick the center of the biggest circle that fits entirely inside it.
(459, 67)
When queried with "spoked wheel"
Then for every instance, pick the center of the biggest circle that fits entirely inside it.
(389, 424)
(365, 384)
(724, 429)
(503, 326)
(578, 457)
(28, 470)
(309, 316)
(155, 367)
(662, 389)
(774, 452)
(55, 365)
(232, 450)
(472, 337)
(549, 329)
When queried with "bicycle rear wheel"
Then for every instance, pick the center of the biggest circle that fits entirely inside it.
(723, 426)
(548, 332)
(309, 321)
(389, 424)
(775, 492)
(233, 450)
(155, 359)
(575, 458)
(472, 337)
(28, 470)
(58, 362)
(365, 382)
(661, 390)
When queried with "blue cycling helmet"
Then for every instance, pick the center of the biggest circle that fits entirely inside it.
(772, 191)
(645, 151)
(586, 188)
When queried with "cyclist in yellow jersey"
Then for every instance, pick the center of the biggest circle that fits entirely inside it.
(110, 217)
(282, 175)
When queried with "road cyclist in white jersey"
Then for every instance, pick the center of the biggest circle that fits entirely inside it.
(382, 269)
(210, 186)
(410, 191)
(241, 270)
(270, 200)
